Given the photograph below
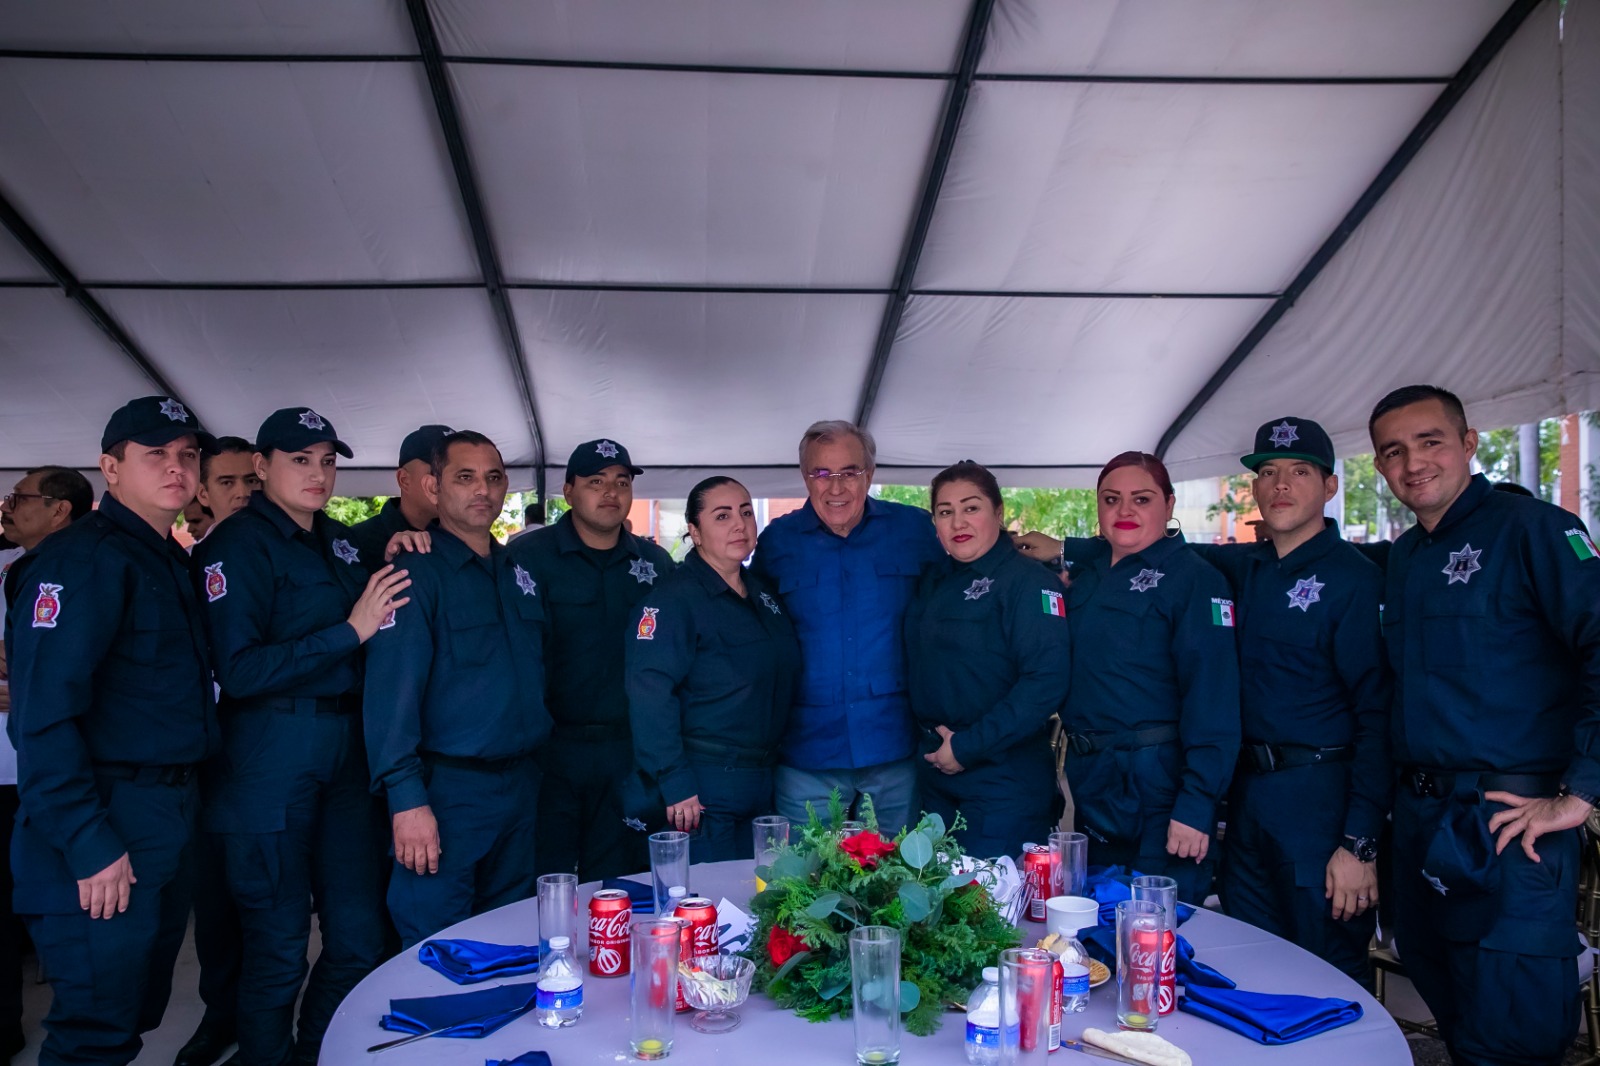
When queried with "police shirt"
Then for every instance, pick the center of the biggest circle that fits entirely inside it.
(1312, 670)
(1492, 622)
(1152, 644)
(371, 536)
(458, 671)
(990, 651)
(589, 597)
(108, 664)
(276, 602)
(706, 665)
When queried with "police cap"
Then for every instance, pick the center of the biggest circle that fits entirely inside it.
(153, 421)
(420, 443)
(1291, 438)
(591, 457)
(294, 429)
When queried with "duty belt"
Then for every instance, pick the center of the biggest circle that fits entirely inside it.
(472, 762)
(350, 703)
(1090, 743)
(174, 776)
(1442, 784)
(1265, 758)
(729, 755)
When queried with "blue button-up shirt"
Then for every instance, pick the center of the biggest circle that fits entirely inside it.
(848, 597)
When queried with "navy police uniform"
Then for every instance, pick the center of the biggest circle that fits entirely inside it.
(111, 713)
(1492, 622)
(289, 797)
(454, 713)
(990, 654)
(710, 676)
(1152, 712)
(371, 536)
(590, 596)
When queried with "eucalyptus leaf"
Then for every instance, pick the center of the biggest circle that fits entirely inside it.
(764, 873)
(935, 825)
(794, 960)
(910, 996)
(953, 882)
(916, 849)
(833, 987)
(823, 906)
(788, 864)
(914, 898)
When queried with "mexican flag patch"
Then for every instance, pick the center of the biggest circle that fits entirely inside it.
(1582, 546)
(1222, 613)
(1053, 603)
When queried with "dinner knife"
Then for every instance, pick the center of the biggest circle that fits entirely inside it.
(1098, 1052)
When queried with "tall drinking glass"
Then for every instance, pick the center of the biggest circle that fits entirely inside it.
(558, 908)
(1070, 855)
(1026, 979)
(875, 984)
(771, 832)
(669, 865)
(653, 987)
(1164, 891)
(1140, 925)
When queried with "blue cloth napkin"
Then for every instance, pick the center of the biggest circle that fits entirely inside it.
(527, 1058)
(642, 896)
(1268, 1019)
(462, 1014)
(467, 962)
(1109, 885)
(1100, 941)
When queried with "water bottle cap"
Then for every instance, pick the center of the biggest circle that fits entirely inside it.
(991, 974)
(560, 943)
(677, 890)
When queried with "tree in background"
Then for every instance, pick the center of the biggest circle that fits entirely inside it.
(353, 509)
(1501, 457)
(1236, 499)
(1058, 512)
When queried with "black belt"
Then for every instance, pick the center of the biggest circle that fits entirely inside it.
(470, 762)
(574, 731)
(730, 755)
(346, 704)
(1265, 758)
(1442, 784)
(174, 776)
(1090, 743)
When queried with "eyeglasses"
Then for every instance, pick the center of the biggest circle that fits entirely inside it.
(842, 476)
(10, 499)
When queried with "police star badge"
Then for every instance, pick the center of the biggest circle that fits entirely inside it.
(47, 606)
(311, 420)
(1306, 591)
(979, 587)
(772, 604)
(606, 449)
(525, 581)
(174, 410)
(1283, 435)
(1146, 580)
(1463, 564)
(643, 571)
(346, 551)
(216, 582)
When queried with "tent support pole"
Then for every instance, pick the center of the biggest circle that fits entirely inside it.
(1457, 87)
(950, 125)
(488, 262)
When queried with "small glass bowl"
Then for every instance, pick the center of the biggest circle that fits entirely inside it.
(724, 984)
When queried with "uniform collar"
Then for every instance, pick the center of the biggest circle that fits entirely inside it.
(1326, 540)
(709, 579)
(567, 539)
(453, 550)
(813, 523)
(124, 518)
(991, 560)
(1157, 553)
(280, 519)
(1475, 493)
(391, 513)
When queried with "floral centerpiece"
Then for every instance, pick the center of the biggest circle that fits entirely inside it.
(826, 883)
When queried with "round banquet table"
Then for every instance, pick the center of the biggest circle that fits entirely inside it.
(769, 1036)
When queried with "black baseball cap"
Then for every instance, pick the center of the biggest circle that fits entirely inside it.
(593, 456)
(420, 443)
(1291, 438)
(294, 429)
(153, 421)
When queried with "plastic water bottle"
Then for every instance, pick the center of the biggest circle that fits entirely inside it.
(558, 996)
(983, 1020)
(1074, 977)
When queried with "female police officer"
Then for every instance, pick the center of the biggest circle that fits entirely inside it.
(989, 654)
(710, 672)
(288, 604)
(1153, 710)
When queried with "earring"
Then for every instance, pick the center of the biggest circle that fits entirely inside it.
(1174, 527)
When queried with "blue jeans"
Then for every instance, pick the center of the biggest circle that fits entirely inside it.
(892, 786)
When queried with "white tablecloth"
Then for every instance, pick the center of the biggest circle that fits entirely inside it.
(768, 1036)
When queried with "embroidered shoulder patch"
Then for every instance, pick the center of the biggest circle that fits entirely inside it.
(647, 624)
(216, 583)
(47, 606)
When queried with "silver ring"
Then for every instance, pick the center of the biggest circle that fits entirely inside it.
(1361, 899)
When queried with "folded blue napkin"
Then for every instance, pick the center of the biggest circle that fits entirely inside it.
(1268, 1019)
(527, 1058)
(642, 896)
(1100, 941)
(467, 962)
(1108, 886)
(462, 1014)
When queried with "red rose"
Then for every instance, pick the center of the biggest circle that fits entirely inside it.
(866, 849)
(782, 945)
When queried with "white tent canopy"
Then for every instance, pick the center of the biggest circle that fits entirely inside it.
(1027, 232)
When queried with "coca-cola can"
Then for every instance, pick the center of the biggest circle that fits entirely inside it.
(702, 915)
(1167, 997)
(1036, 878)
(1056, 974)
(1144, 977)
(610, 921)
(685, 953)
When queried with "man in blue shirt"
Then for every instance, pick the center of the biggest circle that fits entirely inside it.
(846, 566)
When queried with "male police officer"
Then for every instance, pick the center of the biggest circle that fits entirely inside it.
(411, 510)
(111, 712)
(454, 705)
(1491, 614)
(591, 573)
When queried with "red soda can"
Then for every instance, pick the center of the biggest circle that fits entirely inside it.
(1144, 973)
(1036, 878)
(1056, 974)
(702, 915)
(1168, 979)
(685, 953)
(610, 920)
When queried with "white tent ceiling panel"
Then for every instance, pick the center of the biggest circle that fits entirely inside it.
(899, 35)
(1237, 38)
(1155, 188)
(1580, 202)
(643, 176)
(295, 27)
(226, 172)
(1044, 381)
(59, 375)
(690, 379)
(16, 264)
(375, 364)
(1453, 279)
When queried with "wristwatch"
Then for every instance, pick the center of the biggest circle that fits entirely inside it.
(1364, 849)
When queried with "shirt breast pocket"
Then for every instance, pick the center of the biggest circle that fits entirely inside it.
(1453, 628)
(807, 596)
(1123, 620)
(474, 633)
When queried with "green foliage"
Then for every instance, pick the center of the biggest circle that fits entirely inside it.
(353, 509)
(1058, 512)
(1239, 498)
(1501, 456)
(949, 928)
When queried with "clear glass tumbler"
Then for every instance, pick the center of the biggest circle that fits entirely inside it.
(1140, 925)
(653, 987)
(771, 833)
(1163, 890)
(669, 865)
(875, 984)
(1069, 855)
(558, 909)
(1026, 979)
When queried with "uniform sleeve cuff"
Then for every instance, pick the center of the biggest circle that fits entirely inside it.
(1196, 813)
(1583, 776)
(343, 638)
(678, 785)
(98, 849)
(964, 751)
(1362, 823)
(407, 795)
